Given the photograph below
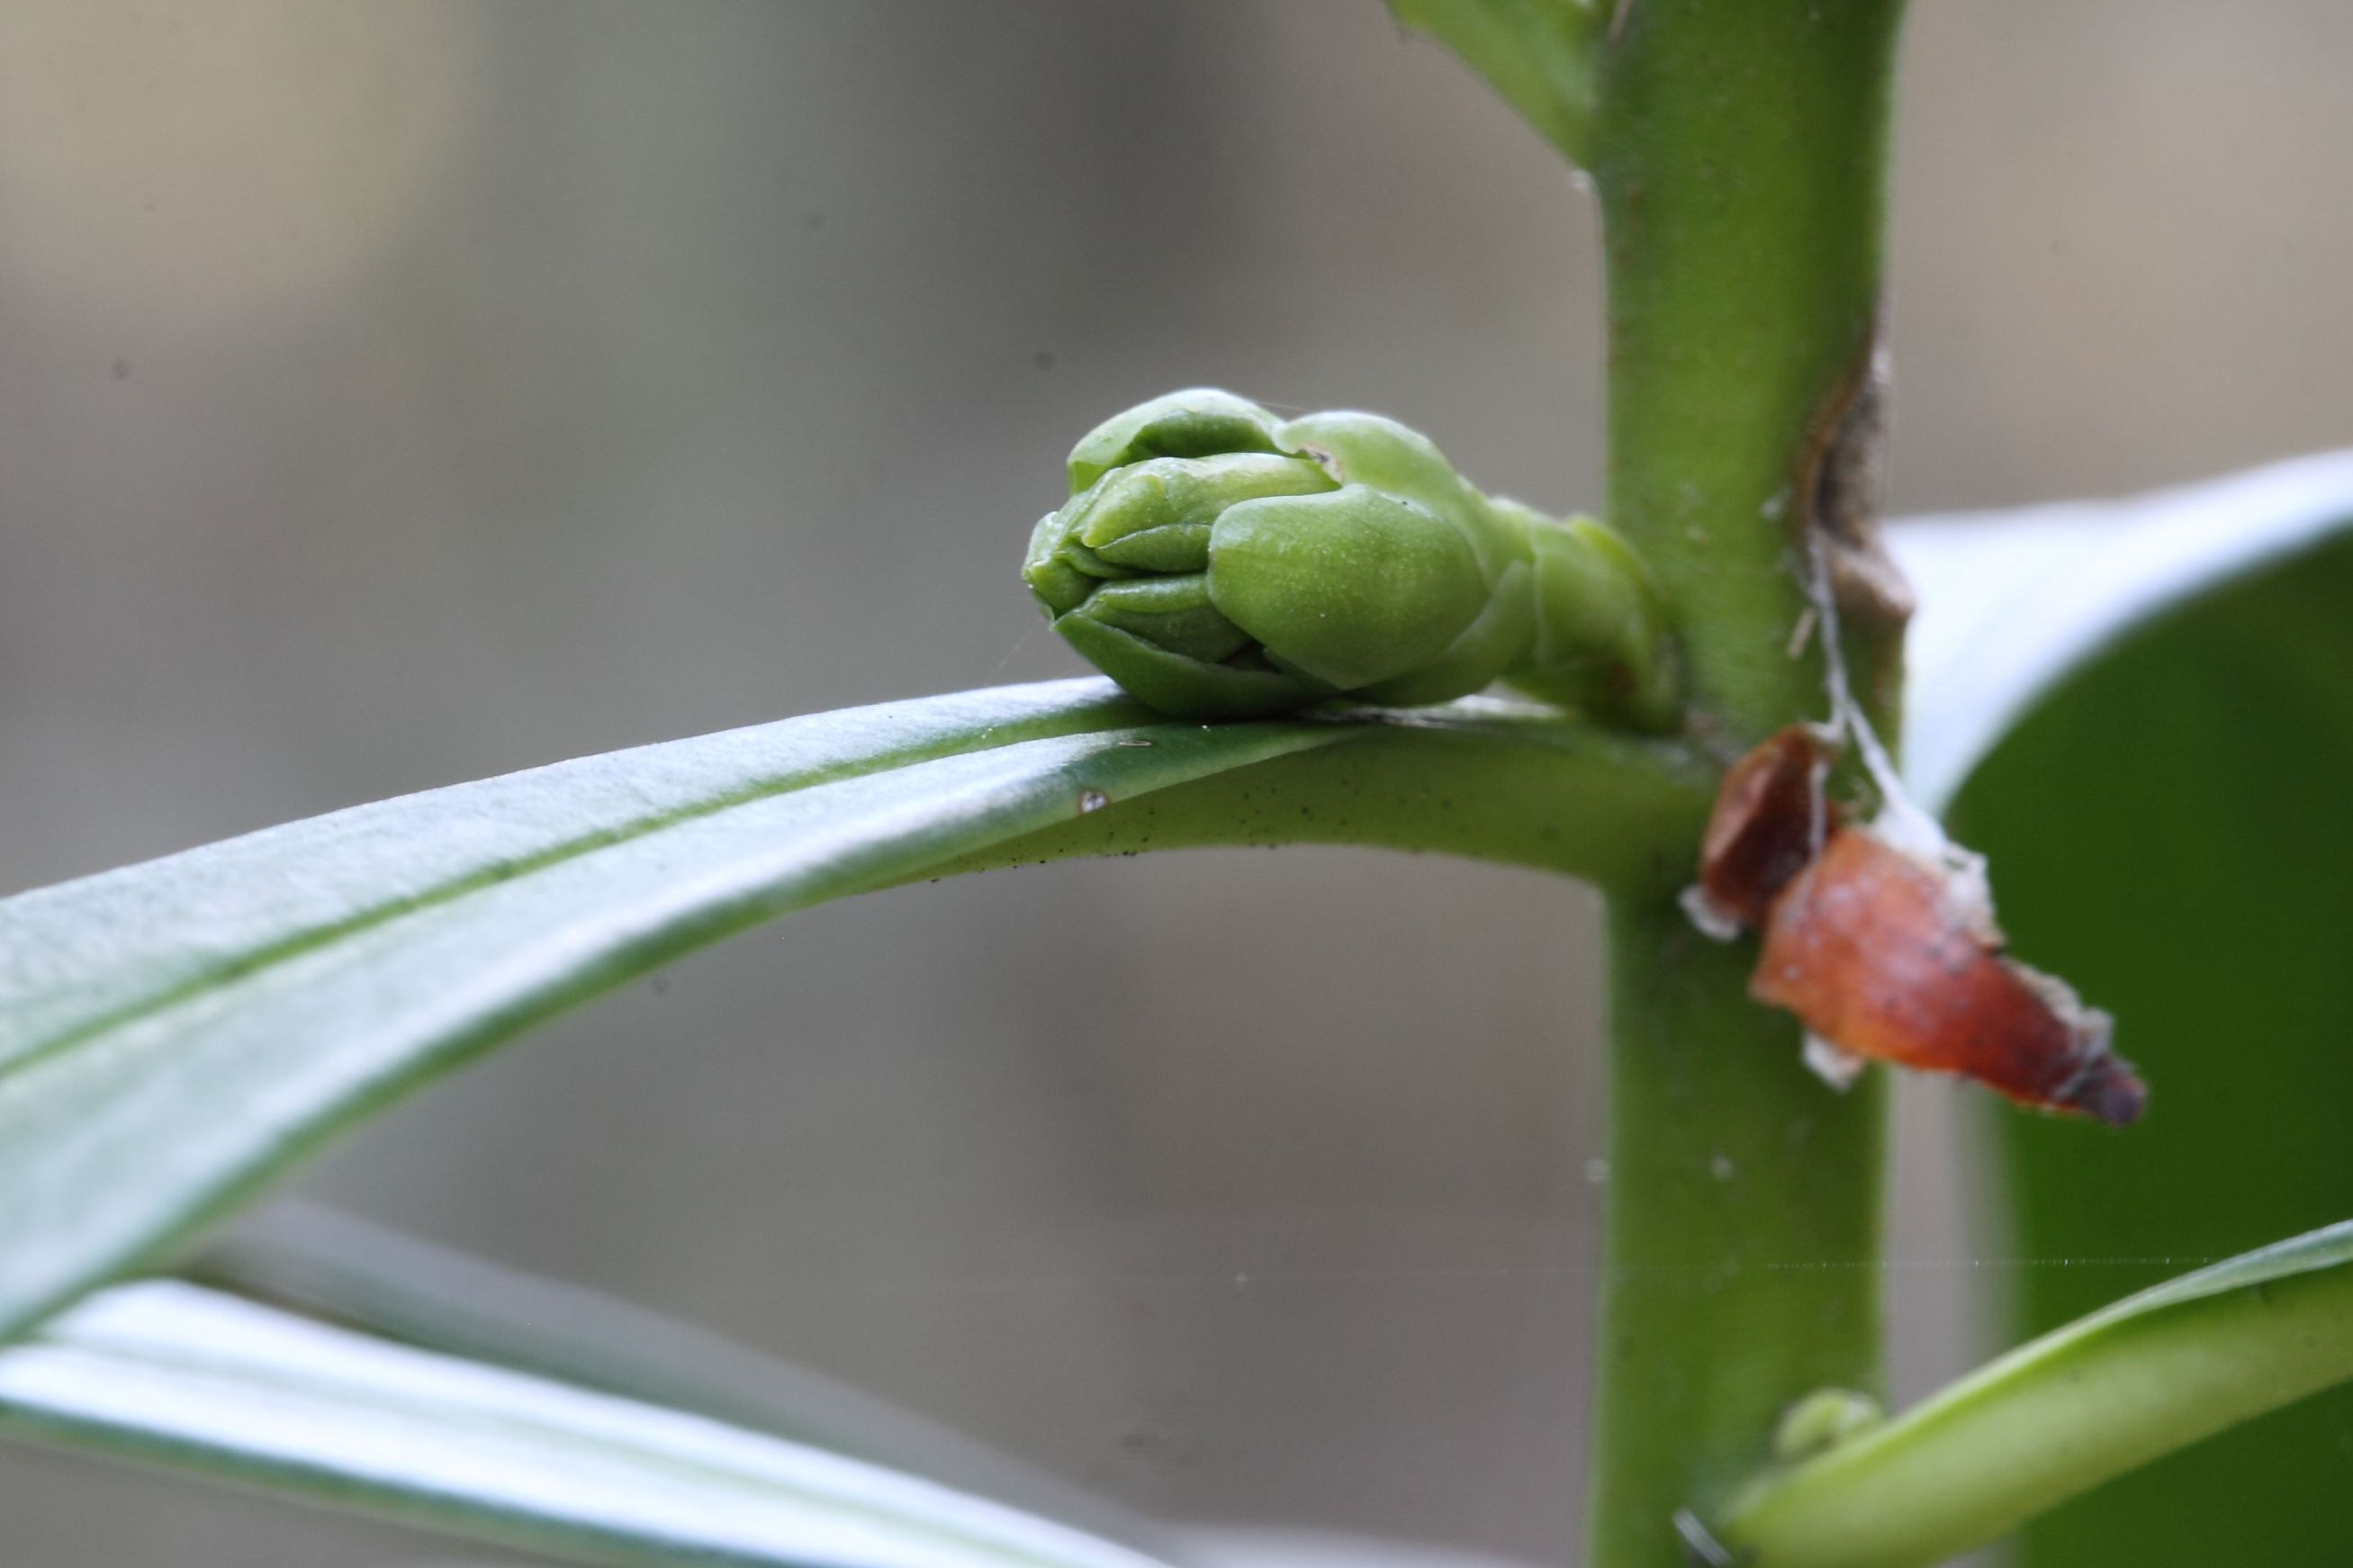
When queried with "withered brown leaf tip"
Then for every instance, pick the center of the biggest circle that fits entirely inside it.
(1884, 951)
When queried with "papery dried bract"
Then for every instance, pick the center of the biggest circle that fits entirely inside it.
(1770, 818)
(1887, 953)
(1878, 953)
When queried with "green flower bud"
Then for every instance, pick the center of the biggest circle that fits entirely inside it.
(1219, 562)
(1822, 1420)
(1600, 642)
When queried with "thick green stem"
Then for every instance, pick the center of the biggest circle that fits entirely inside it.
(1741, 152)
(1742, 167)
(1488, 780)
(1742, 1230)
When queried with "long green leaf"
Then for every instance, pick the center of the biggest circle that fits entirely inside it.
(2162, 697)
(2054, 1418)
(174, 1373)
(77, 958)
(173, 1034)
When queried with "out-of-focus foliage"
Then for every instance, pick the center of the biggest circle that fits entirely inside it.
(2096, 1398)
(162, 1370)
(2173, 829)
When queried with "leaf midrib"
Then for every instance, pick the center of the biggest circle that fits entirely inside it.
(986, 737)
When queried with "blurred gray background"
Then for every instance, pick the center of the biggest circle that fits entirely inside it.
(394, 393)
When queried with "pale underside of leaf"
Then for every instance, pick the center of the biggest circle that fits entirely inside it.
(2012, 602)
(173, 1373)
(381, 1282)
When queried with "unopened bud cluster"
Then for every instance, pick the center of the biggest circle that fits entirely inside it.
(1219, 561)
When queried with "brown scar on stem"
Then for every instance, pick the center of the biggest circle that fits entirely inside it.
(1838, 483)
(1770, 819)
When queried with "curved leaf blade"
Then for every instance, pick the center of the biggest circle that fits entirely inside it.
(2136, 1380)
(78, 956)
(2011, 603)
(174, 1373)
(175, 1032)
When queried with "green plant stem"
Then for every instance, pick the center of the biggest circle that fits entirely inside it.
(2062, 1414)
(1741, 174)
(1741, 1225)
(1740, 162)
(1486, 779)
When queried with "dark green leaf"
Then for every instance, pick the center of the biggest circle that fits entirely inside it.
(2171, 828)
